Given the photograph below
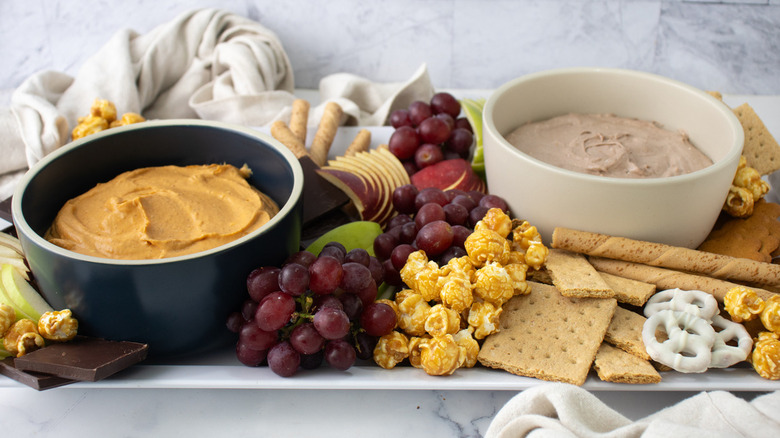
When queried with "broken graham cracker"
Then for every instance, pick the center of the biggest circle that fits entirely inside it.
(625, 332)
(573, 275)
(627, 290)
(548, 336)
(756, 237)
(615, 365)
(761, 149)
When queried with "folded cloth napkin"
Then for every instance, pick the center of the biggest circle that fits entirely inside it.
(206, 63)
(562, 410)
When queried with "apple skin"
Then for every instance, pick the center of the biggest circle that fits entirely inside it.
(450, 174)
(23, 296)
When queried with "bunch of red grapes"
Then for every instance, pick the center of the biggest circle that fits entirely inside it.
(433, 220)
(429, 132)
(312, 310)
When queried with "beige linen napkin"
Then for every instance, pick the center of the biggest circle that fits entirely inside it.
(206, 63)
(563, 410)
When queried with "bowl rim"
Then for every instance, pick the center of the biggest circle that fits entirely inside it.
(25, 229)
(732, 155)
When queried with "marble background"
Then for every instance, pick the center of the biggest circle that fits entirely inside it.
(731, 45)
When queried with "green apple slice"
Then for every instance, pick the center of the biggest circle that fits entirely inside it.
(11, 242)
(11, 257)
(3, 352)
(358, 234)
(22, 294)
(473, 109)
(5, 298)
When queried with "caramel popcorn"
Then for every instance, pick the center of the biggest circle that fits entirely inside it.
(102, 116)
(7, 317)
(483, 318)
(391, 349)
(770, 315)
(485, 246)
(493, 284)
(469, 347)
(414, 311)
(440, 355)
(416, 262)
(127, 119)
(766, 355)
(495, 220)
(460, 264)
(456, 291)
(524, 235)
(58, 325)
(427, 282)
(88, 125)
(746, 189)
(414, 350)
(743, 304)
(22, 337)
(517, 274)
(442, 321)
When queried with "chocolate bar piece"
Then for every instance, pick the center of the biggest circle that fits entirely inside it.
(83, 358)
(32, 379)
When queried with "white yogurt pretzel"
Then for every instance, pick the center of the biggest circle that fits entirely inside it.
(696, 302)
(724, 355)
(688, 348)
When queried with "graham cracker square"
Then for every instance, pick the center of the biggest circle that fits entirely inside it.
(761, 149)
(615, 365)
(548, 336)
(574, 276)
(625, 332)
(627, 290)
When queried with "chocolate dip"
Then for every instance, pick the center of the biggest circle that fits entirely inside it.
(607, 145)
(158, 212)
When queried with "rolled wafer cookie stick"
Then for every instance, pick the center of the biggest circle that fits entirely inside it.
(299, 118)
(361, 143)
(667, 256)
(669, 279)
(326, 132)
(281, 132)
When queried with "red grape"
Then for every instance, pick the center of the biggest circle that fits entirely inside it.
(465, 201)
(410, 167)
(430, 194)
(337, 252)
(248, 309)
(253, 337)
(305, 339)
(384, 244)
(459, 235)
(455, 214)
(275, 311)
(368, 294)
(400, 117)
(492, 201)
(451, 253)
(378, 319)
(235, 321)
(419, 111)
(434, 238)
(364, 345)
(445, 103)
(392, 276)
(377, 270)
(400, 254)
(352, 305)
(447, 119)
(428, 213)
(331, 323)
(321, 301)
(404, 142)
(304, 258)
(428, 154)
(404, 199)
(355, 278)
(460, 141)
(262, 281)
(476, 214)
(462, 122)
(397, 220)
(325, 275)
(339, 354)
(433, 130)
(248, 356)
(358, 255)
(312, 361)
(408, 233)
(294, 279)
(283, 359)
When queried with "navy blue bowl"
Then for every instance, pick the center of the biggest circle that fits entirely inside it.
(177, 305)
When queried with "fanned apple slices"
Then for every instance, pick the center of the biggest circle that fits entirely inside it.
(369, 179)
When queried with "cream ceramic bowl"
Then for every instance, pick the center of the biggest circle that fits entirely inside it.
(679, 210)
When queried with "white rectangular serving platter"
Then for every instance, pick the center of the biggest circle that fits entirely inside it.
(221, 369)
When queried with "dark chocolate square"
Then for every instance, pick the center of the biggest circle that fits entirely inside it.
(32, 379)
(84, 358)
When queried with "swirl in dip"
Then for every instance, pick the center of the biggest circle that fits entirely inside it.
(159, 212)
(607, 145)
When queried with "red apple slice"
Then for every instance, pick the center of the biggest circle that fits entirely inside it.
(448, 174)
